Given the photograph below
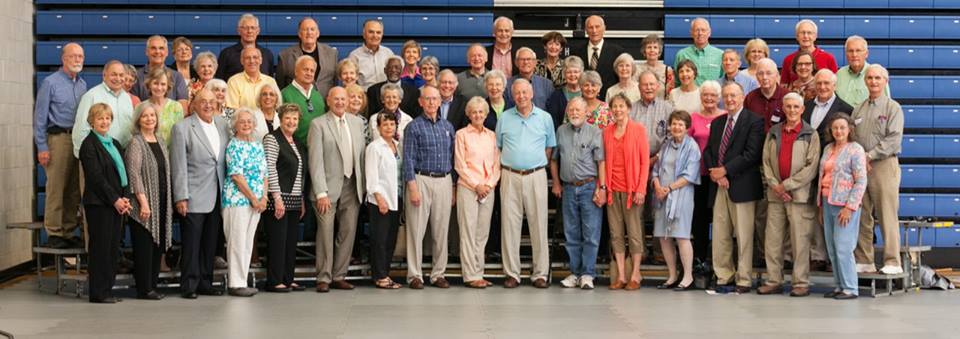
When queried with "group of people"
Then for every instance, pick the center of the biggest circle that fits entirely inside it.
(789, 155)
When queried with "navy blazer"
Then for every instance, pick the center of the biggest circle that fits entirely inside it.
(839, 106)
(101, 179)
(742, 159)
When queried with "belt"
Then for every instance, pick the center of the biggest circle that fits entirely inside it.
(581, 182)
(432, 174)
(58, 130)
(523, 172)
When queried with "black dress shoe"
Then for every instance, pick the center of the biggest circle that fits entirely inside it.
(666, 286)
(297, 288)
(152, 295)
(274, 289)
(189, 295)
(831, 294)
(681, 288)
(107, 300)
(844, 296)
(210, 291)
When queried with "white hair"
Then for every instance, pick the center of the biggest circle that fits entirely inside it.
(248, 16)
(805, 21)
(854, 38)
(832, 77)
(525, 49)
(883, 71)
(701, 19)
(769, 63)
(793, 96)
(711, 84)
(503, 19)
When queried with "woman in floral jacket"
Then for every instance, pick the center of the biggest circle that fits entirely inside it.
(843, 181)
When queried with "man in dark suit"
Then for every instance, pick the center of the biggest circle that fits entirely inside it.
(598, 55)
(818, 113)
(452, 106)
(323, 54)
(501, 52)
(408, 104)
(821, 109)
(732, 158)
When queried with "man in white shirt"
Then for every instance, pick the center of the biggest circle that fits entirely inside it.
(371, 57)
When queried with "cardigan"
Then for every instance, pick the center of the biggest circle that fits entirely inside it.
(143, 170)
(637, 157)
(849, 175)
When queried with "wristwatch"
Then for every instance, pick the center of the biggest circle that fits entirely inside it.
(603, 187)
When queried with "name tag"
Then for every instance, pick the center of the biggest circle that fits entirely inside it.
(858, 121)
(775, 118)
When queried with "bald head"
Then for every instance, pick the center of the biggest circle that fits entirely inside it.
(826, 84)
(251, 59)
(337, 100)
(767, 75)
(205, 104)
(595, 27)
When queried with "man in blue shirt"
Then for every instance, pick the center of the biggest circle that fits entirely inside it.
(731, 72)
(56, 109)
(525, 136)
(542, 87)
(427, 163)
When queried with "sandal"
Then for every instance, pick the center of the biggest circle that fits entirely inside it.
(387, 284)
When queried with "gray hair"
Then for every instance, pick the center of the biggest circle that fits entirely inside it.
(768, 63)
(304, 58)
(248, 16)
(883, 71)
(392, 58)
(477, 45)
(520, 81)
(275, 90)
(591, 77)
(215, 83)
(648, 73)
(854, 38)
(573, 61)
(793, 96)
(626, 57)
(494, 74)
(832, 77)
(447, 72)
(431, 60)
(525, 49)
(130, 69)
(236, 118)
(111, 63)
(156, 37)
(805, 21)
(205, 55)
(577, 100)
(135, 128)
(710, 84)
(700, 19)
(478, 101)
(733, 84)
(731, 50)
(390, 87)
(503, 19)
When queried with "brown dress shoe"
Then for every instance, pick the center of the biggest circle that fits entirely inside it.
(541, 283)
(440, 282)
(770, 289)
(416, 284)
(617, 285)
(632, 285)
(800, 292)
(743, 289)
(323, 287)
(511, 283)
(341, 285)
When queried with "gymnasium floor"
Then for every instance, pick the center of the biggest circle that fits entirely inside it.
(492, 313)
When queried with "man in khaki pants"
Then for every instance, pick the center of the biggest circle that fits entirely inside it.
(732, 158)
(791, 156)
(54, 115)
(879, 129)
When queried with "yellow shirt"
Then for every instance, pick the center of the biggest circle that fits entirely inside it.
(242, 90)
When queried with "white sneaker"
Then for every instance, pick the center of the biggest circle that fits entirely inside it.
(866, 268)
(586, 282)
(570, 281)
(890, 269)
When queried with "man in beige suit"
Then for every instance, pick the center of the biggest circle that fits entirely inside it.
(323, 54)
(336, 143)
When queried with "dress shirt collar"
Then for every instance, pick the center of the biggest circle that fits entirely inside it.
(503, 51)
(591, 46)
(370, 51)
(252, 80)
(827, 103)
(304, 91)
(795, 129)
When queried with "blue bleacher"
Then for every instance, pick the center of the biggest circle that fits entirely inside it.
(776, 26)
(917, 146)
(917, 205)
(947, 237)
(857, 4)
(916, 176)
(946, 176)
(918, 116)
(946, 116)
(829, 26)
(946, 146)
(947, 205)
(151, 22)
(336, 24)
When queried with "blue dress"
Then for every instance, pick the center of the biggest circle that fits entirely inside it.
(246, 158)
(674, 215)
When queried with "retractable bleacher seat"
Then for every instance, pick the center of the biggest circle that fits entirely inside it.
(946, 27)
(918, 116)
(734, 26)
(916, 146)
(338, 24)
(470, 24)
(283, 23)
(99, 52)
(916, 205)
(392, 22)
(152, 22)
(735, 3)
(946, 87)
(828, 26)
(59, 22)
(776, 26)
(865, 3)
(189, 23)
(946, 146)
(909, 56)
(106, 22)
(869, 26)
(916, 176)
(911, 86)
(947, 205)
(425, 24)
(946, 176)
(946, 116)
(947, 237)
(911, 27)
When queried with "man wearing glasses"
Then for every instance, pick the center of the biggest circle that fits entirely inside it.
(806, 32)
(542, 87)
(248, 28)
(302, 92)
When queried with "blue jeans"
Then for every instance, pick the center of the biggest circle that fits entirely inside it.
(841, 241)
(581, 225)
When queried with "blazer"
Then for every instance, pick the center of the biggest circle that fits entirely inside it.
(408, 104)
(608, 54)
(457, 114)
(489, 64)
(325, 161)
(838, 106)
(742, 159)
(490, 122)
(804, 160)
(101, 180)
(326, 70)
(197, 170)
(557, 106)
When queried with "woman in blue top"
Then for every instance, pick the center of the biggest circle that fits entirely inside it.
(244, 197)
(673, 176)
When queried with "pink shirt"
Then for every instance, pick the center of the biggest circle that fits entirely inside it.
(700, 131)
(476, 157)
(502, 61)
(827, 181)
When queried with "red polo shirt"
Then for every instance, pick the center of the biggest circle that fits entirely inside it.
(788, 136)
(823, 59)
(770, 109)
